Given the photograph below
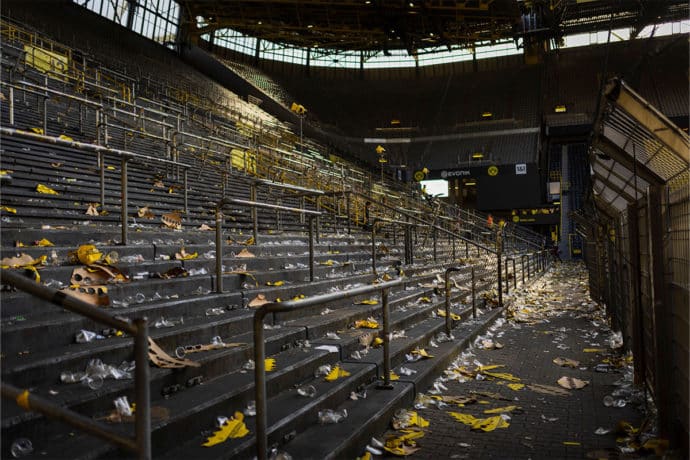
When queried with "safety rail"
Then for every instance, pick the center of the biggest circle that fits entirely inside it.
(253, 204)
(294, 305)
(125, 157)
(409, 257)
(137, 327)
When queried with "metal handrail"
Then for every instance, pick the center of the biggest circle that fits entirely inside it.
(137, 327)
(253, 204)
(408, 248)
(293, 305)
(125, 157)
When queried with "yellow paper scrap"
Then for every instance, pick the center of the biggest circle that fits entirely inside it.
(366, 323)
(483, 424)
(394, 376)
(40, 188)
(336, 373)
(8, 209)
(571, 443)
(594, 350)
(502, 375)
(275, 283)
(367, 302)
(424, 299)
(516, 386)
(421, 352)
(65, 138)
(43, 242)
(233, 428)
(88, 254)
(270, 364)
(500, 410)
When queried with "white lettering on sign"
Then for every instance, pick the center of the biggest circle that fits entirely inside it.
(456, 173)
(520, 168)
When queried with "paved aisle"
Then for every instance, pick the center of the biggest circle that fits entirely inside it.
(555, 318)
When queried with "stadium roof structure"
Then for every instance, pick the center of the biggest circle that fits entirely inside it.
(414, 25)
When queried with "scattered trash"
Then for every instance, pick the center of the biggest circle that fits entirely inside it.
(232, 428)
(369, 323)
(250, 410)
(161, 359)
(21, 447)
(244, 253)
(85, 336)
(326, 311)
(336, 373)
(572, 383)
(602, 431)
(566, 362)
(308, 391)
(361, 393)
(549, 419)
(329, 416)
(172, 220)
(485, 424)
(407, 371)
(122, 406)
(215, 311)
(404, 418)
(164, 323)
(332, 336)
(323, 371)
(44, 189)
(258, 301)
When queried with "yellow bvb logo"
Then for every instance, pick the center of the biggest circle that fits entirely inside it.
(493, 170)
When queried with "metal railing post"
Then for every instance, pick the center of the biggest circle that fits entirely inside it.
(507, 277)
(45, 111)
(123, 199)
(101, 163)
(373, 247)
(499, 255)
(514, 274)
(453, 249)
(143, 390)
(467, 250)
(386, 342)
(311, 248)
(522, 264)
(260, 385)
(186, 192)
(318, 219)
(435, 240)
(474, 295)
(255, 214)
(347, 212)
(219, 249)
(11, 97)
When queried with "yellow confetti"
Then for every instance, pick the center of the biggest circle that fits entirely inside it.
(88, 254)
(594, 350)
(483, 424)
(516, 386)
(43, 242)
(367, 302)
(366, 323)
(453, 316)
(233, 428)
(65, 138)
(421, 352)
(275, 283)
(37, 130)
(336, 373)
(489, 367)
(110, 168)
(270, 364)
(40, 188)
(500, 410)
(502, 375)
(8, 209)
(424, 299)
(328, 263)
(571, 443)
(393, 376)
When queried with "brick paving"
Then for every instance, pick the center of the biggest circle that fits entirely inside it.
(555, 318)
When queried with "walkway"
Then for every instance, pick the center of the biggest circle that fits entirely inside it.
(536, 418)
